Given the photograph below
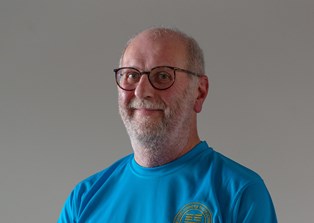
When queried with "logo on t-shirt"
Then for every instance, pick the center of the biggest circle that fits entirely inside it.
(195, 212)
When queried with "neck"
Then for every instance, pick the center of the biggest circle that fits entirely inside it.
(165, 152)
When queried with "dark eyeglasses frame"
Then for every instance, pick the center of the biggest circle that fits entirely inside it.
(148, 73)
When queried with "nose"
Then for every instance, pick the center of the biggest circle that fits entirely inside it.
(144, 89)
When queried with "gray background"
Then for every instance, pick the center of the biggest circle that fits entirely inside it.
(58, 111)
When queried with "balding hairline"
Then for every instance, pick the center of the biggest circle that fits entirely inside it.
(194, 54)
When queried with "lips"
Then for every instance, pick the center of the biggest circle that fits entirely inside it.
(146, 105)
(146, 111)
(147, 108)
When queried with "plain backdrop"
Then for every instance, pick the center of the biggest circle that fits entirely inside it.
(58, 103)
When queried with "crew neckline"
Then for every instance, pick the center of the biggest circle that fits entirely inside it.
(168, 167)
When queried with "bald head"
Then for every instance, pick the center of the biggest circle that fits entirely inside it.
(194, 54)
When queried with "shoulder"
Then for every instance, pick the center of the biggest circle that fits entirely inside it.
(231, 170)
(84, 191)
(93, 182)
(243, 190)
(221, 168)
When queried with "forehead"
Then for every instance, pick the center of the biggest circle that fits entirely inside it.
(147, 51)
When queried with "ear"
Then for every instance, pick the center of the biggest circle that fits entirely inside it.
(202, 91)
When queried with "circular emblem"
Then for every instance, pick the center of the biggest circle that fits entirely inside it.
(193, 212)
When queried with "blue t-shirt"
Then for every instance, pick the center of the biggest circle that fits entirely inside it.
(200, 186)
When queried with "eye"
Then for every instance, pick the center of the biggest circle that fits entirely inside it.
(163, 76)
(131, 76)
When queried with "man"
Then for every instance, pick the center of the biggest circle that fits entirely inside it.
(172, 176)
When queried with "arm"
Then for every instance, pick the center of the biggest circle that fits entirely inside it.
(254, 204)
(67, 214)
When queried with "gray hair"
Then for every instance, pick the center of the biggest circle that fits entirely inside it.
(195, 56)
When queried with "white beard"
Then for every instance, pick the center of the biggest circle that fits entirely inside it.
(154, 138)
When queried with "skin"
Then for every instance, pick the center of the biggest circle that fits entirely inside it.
(144, 53)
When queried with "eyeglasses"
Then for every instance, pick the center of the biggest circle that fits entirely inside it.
(161, 77)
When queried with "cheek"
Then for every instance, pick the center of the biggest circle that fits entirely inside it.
(124, 97)
(178, 93)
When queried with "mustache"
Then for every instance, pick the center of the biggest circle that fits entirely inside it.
(138, 104)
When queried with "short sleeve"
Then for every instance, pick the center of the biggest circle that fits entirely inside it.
(67, 214)
(254, 204)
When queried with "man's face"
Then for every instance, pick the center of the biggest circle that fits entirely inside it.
(151, 116)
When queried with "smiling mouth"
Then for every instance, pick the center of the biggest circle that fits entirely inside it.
(147, 111)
